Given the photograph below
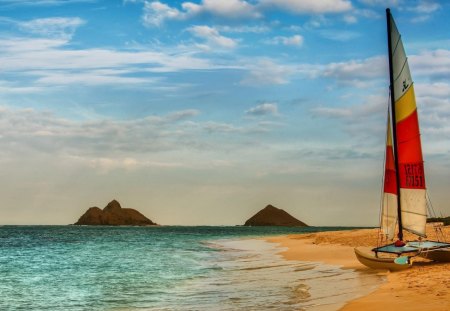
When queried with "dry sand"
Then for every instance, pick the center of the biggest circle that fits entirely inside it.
(426, 286)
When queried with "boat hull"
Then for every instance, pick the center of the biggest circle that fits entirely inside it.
(440, 255)
(379, 263)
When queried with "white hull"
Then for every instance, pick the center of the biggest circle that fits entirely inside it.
(380, 263)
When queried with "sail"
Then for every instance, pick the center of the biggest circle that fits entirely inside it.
(389, 207)
(409, 149)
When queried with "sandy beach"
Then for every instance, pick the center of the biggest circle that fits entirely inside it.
(426, 286)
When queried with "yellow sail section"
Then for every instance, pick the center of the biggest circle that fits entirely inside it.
(406, 105)
(389, 134)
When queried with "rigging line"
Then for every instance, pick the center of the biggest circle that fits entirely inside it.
(430, 206)
(437, 228)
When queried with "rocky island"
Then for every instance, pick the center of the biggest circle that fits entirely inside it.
(272, 216)
(113, 215)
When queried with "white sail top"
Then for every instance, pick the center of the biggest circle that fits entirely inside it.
(402, 75)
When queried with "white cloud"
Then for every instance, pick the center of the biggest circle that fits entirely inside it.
(295, 40)
(263, 110)
(108, 164)
(213, 37)
(383, 3)
(434, 123)
(229, 9)
(181, 115)
(364, 121)
(350, 19)
(437, 89)
(420, 18)
(54, 27)
(105, 164)
(88, 77)
(165, 141)
(317, 21)
(48, 61)
(372, 67)
(373, 105)
(28, 129)
(7, 87)
(426, 7)
(220, 127)
(14, 46)
(310, 6)
(434, 113)
(267, 72)
(156, 12)
(243, 29)
(422, 7)
(367, 13)
(433, 102)
(431, 63)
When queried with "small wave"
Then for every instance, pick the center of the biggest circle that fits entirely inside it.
(302, 290)
(258, 276)
(264, 267)
(304, 268)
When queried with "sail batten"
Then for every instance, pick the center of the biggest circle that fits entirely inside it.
(399, 75)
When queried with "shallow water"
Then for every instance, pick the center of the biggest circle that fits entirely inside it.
(163, 268)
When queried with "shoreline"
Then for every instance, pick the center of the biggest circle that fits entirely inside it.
(426, 286)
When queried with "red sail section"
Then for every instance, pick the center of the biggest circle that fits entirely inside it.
(410, 153)
(390, 180)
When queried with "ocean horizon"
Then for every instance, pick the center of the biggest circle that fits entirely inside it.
(165, 268)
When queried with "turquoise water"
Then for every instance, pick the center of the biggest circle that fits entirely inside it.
(154, 268)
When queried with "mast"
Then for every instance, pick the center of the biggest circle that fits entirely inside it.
(394, 125)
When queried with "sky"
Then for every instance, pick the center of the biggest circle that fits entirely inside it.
(202, 112)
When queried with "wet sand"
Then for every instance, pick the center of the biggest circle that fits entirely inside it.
(426, 286)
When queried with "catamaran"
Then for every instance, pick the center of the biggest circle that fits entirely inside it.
(405, 201)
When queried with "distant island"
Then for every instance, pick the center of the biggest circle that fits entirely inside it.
(272, 216)
(113, 215)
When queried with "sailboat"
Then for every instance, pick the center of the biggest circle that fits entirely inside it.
(404, 203)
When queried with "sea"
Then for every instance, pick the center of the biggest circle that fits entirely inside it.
(166, 268)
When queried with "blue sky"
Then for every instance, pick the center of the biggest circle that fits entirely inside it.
(203, 112)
